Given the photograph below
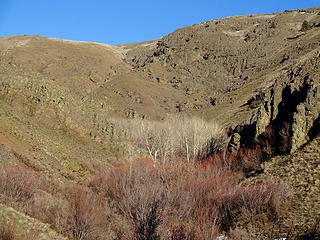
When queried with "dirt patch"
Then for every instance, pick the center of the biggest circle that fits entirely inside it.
(14, 144)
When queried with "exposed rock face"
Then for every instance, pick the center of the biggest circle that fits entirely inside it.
(304, 119)
(246, 73)
(234, 143)
(268, 55)
(257, 76)
(289, 111)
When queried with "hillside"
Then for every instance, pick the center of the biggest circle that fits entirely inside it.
(257, 76)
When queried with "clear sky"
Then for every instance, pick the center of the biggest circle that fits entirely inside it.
(124, 21)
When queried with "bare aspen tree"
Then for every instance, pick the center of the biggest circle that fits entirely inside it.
(185, 136)
(188, 137)
(145, 133)
(197, 135)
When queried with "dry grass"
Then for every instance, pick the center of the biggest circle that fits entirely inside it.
(7, 231)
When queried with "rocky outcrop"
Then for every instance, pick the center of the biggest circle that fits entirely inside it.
(209, 69)
(306, 117)
(234, 144)
(287, 114)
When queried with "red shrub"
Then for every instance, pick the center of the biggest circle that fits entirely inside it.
(245, 160)
(18, 183)
(205, 227)
(50, 209)
(138, 191)
(181, 200)
(85, 214)
(212, 189)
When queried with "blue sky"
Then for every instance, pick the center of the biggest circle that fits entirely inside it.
(123, 21)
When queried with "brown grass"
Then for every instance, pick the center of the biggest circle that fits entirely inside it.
(7, 231)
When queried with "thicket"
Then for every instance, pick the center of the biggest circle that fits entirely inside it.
(188, 188)
(189, 138)
(185, 201)
(19, 183)
(141, 200)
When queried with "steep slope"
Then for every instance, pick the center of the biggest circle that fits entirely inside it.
(302, 171)
(244, 71)
(27, 227)
(213, 69)
(256, 75)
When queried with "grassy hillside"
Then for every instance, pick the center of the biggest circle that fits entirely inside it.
(255, 76)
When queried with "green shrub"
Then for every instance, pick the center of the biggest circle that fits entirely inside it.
(305, 26)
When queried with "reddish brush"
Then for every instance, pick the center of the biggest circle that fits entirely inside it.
(245, 159)
(139, 193)
(85, 214)
(18, 183)
(200, 194)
